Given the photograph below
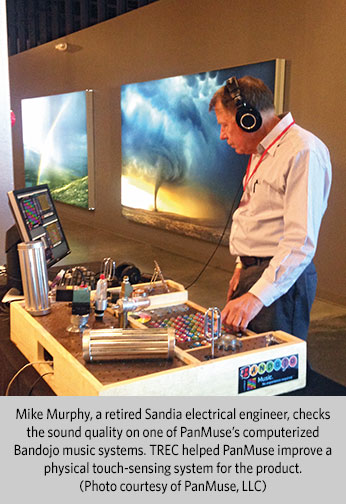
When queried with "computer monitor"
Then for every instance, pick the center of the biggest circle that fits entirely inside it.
(37, 219)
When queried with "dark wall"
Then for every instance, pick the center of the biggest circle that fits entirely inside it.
(6, 168)
(174, 37)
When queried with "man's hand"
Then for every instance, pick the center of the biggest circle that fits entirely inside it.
(239, 312)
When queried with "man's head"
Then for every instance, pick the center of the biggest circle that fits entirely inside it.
(257, 95)
(254, 91)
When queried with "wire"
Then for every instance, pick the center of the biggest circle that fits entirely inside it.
(220, 240)
(22, 369)
(36, 381)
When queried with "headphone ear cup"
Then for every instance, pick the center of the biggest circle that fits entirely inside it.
(119, 270)
(248, 119)
(130, 270)
(133, 273)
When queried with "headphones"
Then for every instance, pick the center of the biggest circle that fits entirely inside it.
(248, 118)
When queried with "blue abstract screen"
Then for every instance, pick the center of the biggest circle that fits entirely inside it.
(176, 172)
(56, 146)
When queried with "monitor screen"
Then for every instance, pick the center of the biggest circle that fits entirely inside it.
(37, 219)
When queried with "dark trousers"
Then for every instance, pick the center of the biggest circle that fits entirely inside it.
(289, 313)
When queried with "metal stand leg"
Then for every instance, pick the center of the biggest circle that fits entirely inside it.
(212, 319)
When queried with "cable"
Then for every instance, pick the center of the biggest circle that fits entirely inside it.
(22, 369)
(219, 242)
(36, 381)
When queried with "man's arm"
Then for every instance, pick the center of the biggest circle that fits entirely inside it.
(240, 311)
(234, 281)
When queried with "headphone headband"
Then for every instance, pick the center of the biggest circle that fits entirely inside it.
(248, 118)
(234, 90)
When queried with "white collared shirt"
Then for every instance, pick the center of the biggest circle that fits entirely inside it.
(281, 209)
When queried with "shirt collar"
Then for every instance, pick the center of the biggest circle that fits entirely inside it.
(267, 140)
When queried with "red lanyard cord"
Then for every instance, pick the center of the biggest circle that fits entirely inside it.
(247, 175)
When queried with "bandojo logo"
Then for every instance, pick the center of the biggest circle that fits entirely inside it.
(280, 364)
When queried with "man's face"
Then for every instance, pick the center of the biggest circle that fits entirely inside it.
(241, 141)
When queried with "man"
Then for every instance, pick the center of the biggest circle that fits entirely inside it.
(275, 228)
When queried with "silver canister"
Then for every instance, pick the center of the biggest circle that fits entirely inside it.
(33, 268)
(113, 344)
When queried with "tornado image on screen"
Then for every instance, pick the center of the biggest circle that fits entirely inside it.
(176, 173)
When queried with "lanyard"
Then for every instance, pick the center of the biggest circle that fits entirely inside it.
(247, 174)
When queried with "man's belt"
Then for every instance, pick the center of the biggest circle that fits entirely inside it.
(248, 261)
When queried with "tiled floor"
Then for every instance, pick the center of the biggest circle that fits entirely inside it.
(325, 310)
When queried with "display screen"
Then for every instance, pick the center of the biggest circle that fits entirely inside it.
(58, 145)
(176, 172)
(37, 219)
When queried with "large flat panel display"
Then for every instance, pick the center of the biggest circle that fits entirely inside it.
(176, 172)
(58, 146)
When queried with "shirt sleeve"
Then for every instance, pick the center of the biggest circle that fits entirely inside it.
(305, 201)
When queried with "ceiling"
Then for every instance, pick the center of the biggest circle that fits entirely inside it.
(35, 22)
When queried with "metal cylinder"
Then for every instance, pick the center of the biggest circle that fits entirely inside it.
(116, 344)
(33, 268)
(132, 304)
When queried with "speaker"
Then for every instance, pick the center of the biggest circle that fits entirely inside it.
(130, 270)
(248, 118)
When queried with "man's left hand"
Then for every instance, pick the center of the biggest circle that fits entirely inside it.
(239, 312)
